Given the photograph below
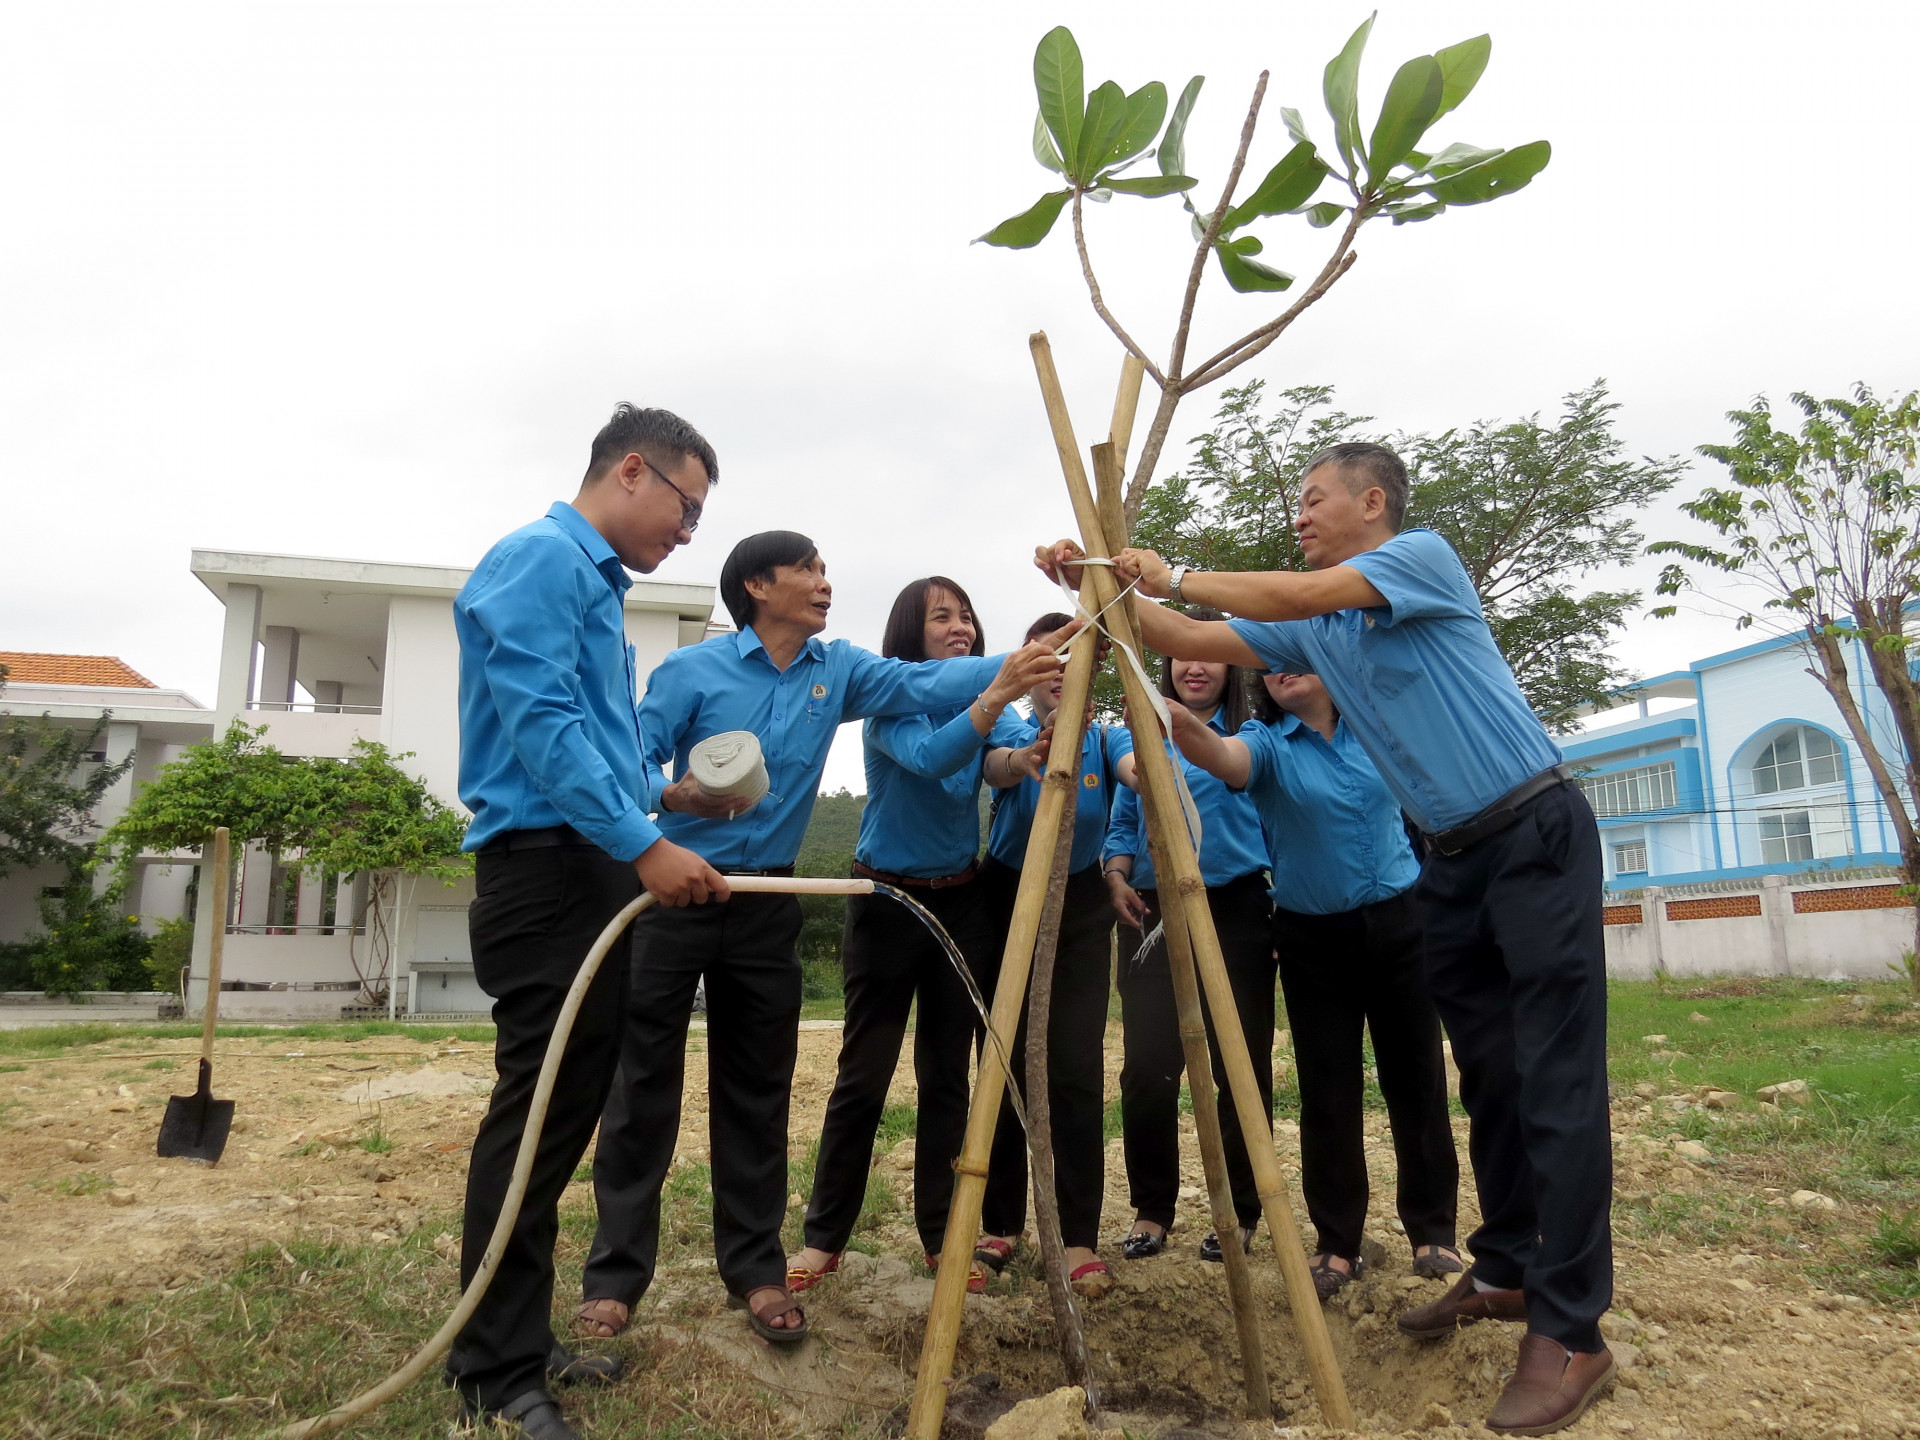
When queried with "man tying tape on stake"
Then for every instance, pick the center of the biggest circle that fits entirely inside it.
(776, 679)
(550, 765)
(1510, 891)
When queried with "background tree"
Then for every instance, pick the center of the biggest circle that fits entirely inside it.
(360, 815)
(1530, 507)
(49, 786)
(1823, 527)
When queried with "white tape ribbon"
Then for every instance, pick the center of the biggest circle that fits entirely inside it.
(730, 765)
(1095, 620)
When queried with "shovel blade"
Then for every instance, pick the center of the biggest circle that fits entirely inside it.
(195, 1126)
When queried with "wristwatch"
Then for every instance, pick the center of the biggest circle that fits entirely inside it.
(1173, 585)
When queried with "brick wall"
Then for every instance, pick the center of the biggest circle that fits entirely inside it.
(1717, 907)
(1850, 897)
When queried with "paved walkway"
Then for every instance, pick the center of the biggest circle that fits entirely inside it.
(19, 1017)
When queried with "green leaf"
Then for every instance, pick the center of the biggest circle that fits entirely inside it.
(1247, 275)
(1341, 86)
(1106, 113)
(1173, 144)
(1146, 108)
(1296, 127)
(1058, 78)
(1457, 157)
(1490, 179)
(1322, 215)
(1245, 245)
(1149, 185)
(1029, 227)
(1413, 99)
(1288, 185)
(1409, 214)
(1461, 67)
(1043, 150)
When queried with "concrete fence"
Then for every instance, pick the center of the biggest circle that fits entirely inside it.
(1847, 927)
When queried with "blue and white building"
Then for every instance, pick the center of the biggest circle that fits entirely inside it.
(1752, 773)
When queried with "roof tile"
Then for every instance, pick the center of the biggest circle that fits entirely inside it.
(26, 667)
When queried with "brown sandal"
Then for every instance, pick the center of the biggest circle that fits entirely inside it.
(591, 1321)
(760, 1317)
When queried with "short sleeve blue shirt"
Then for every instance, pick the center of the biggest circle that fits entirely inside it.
(1231, 844)
(1013, 812)
(1332, 828)
(1420, 681)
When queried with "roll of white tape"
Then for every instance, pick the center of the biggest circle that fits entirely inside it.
(730, 764)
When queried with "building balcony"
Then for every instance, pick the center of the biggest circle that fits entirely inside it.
(295, 728)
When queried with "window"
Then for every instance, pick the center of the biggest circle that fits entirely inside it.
(1795, 759)
(1630, 858)
(1630, 792)
(1789, 835)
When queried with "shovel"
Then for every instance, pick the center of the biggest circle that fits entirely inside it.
(195, 1126)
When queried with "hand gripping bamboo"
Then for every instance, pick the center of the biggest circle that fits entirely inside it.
(1155, 768)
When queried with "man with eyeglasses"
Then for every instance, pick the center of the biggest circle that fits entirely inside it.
(551, 767)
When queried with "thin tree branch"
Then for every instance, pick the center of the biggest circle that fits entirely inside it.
(1179, 353)
(1250, 345)
(1099, 302)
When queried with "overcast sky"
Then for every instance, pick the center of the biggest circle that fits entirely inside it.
(363, 280)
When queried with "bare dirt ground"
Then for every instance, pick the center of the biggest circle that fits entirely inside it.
(328, 1146)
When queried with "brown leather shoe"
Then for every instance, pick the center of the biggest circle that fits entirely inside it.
(1549, 1389)
(1462, 1305)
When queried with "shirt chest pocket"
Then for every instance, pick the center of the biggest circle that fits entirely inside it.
(1387, 663)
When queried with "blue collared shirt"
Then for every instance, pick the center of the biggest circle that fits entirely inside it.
(1100, 751)
(1231, 844)
(548, 734)
(1333, 831)
(1421, 682)
(923, 790)
(729, 683)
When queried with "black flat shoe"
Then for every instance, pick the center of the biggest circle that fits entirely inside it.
(1141, 1244)
(566, 1368)
(532, 1416)
(1210, 1247)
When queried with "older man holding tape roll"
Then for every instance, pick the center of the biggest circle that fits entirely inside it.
(1509, 894)
(777, 681)
(550, 765)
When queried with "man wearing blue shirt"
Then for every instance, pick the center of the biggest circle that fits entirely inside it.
(776, 678)
(1510, 891)
(550, 766)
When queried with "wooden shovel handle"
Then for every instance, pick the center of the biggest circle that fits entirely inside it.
(222, 868)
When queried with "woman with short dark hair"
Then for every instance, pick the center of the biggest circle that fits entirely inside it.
(1077, 1028)
(1233, 862)
(920, 831)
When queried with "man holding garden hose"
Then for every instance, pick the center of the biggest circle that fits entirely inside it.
(550, 765)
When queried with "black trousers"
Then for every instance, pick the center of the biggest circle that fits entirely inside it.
(1076, 1077)
(1155, 1061)
(1517, 965)
(1343, 974)
(534, 915)
(746, 951)
(888, 960)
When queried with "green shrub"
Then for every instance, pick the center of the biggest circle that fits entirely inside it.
(170, 949)
(89, 944)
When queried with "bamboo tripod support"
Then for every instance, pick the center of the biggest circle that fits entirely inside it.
(1155, 768)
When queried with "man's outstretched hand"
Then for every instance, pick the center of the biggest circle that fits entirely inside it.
(1153, 573)
(1058, 561)
(675, 876)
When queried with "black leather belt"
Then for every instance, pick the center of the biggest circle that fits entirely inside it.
(780, 870)
(917, 882)
(542, 839)
(1500, 814)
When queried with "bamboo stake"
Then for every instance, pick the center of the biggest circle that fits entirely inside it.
(1155, 768)
(1058, 796)
(1108, 474)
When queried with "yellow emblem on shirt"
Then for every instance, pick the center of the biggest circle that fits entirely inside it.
(1092, 782)
(819, 692)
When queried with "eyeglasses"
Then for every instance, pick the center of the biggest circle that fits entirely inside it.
(689, 507)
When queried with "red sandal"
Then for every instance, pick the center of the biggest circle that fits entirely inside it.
(1091, 1280)
(994, 1254)
(976, 1277)
(800, 1279)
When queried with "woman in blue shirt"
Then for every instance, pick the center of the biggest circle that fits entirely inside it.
(1233, 862)
(920, 831)
(1348, 940)
(1077, 1028)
